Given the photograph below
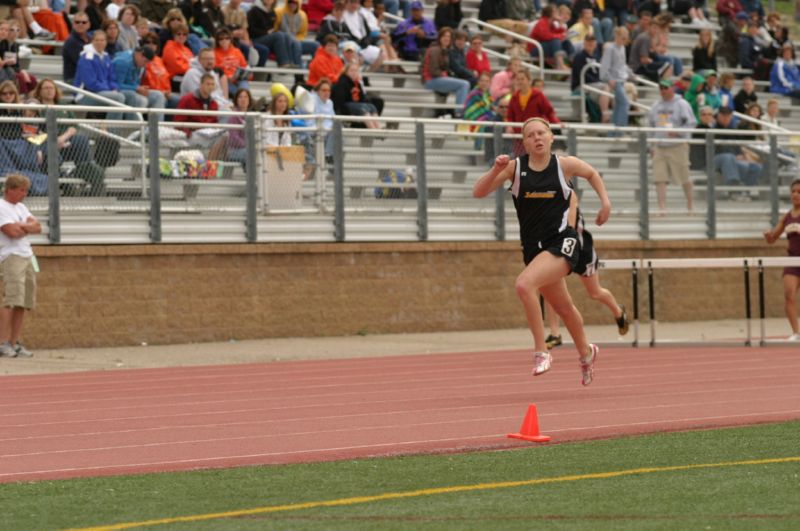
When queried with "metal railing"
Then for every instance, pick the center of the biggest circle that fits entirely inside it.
(516, 36)
(586, 88)
(354, 184)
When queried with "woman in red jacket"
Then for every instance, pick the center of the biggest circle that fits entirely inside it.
(551, 33)
(477, 59)
(316, 10)
(527, 102)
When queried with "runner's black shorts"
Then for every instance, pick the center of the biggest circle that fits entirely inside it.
(588, 261)
(564, 244)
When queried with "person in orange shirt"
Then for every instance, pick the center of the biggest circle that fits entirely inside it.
(230, 59)
(326, 63)
(156, 76)
(176, 53)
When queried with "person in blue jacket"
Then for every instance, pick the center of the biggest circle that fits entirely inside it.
(129, 67)
(784, 78)
(96, 74)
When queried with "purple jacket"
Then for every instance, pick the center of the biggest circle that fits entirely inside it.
(409, 43)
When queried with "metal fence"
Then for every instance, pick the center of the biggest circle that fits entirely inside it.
(243, 177)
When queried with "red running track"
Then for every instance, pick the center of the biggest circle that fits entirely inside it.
(134, 421)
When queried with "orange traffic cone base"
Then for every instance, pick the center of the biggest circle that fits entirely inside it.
(530, 427)
(532, 438)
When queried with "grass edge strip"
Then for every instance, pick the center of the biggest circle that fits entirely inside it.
(430, 492)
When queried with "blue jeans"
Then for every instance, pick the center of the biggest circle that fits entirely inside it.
(263, 53)
(735, 171)
(301, 48)
(603, 30)
(238, 155)
(359, 108)
(393, 6)
(619, 115)
(110, 94)
(552, 47)
(616, 16)
(78, 149)
(677, 64)
(154, 100)
(278, 43)
(459, 87)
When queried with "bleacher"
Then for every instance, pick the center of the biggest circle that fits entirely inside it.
(197, 210)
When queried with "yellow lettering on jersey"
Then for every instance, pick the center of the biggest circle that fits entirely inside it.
(539, 195)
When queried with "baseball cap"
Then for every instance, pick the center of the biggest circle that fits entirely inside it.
(666, 83)
(350, 45)
(741, 15)
(147, 52)
(631, 19)
(724, 110)
(416, 5)
(710, 72)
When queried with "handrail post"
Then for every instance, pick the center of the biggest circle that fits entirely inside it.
(635, 294)
(53, 188)
(651, 303)
(644, 190)
(761, 304)
(747, 311)
(500, 193)
(422, 184)
(572, 150)
(338, 181)
(251, 188)
(711, 187)
(154, 175)
(772, 168)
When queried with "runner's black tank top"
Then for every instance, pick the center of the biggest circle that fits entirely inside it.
(541, 199)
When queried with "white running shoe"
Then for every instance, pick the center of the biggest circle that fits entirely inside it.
(793, 337)
(587, 365)
(541, 362)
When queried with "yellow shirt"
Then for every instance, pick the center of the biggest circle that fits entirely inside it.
(302, 31)
(523, 99)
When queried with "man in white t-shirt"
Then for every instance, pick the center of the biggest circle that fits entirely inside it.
(17, 264)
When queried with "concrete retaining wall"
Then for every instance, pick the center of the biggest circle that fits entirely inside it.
(125, 295)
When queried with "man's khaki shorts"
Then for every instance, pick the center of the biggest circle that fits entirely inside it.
(671, 164)
(19, 282)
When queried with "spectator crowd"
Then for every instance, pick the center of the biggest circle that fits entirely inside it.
(200, 54)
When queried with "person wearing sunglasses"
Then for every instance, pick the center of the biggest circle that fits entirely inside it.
(169, 27)
(230, 60)
(8, 95)
(73, 46)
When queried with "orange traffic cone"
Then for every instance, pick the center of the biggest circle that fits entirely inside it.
(530, 427)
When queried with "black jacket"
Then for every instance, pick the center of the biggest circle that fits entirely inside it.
(448, 15)
(492, 10)
(260, 22)
(331, 26)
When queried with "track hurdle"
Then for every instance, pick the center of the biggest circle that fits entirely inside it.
(652, 264)
(763, 262)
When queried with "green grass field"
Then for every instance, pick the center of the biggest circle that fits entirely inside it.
(609, 484)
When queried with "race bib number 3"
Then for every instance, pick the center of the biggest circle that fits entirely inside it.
(568, 246)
